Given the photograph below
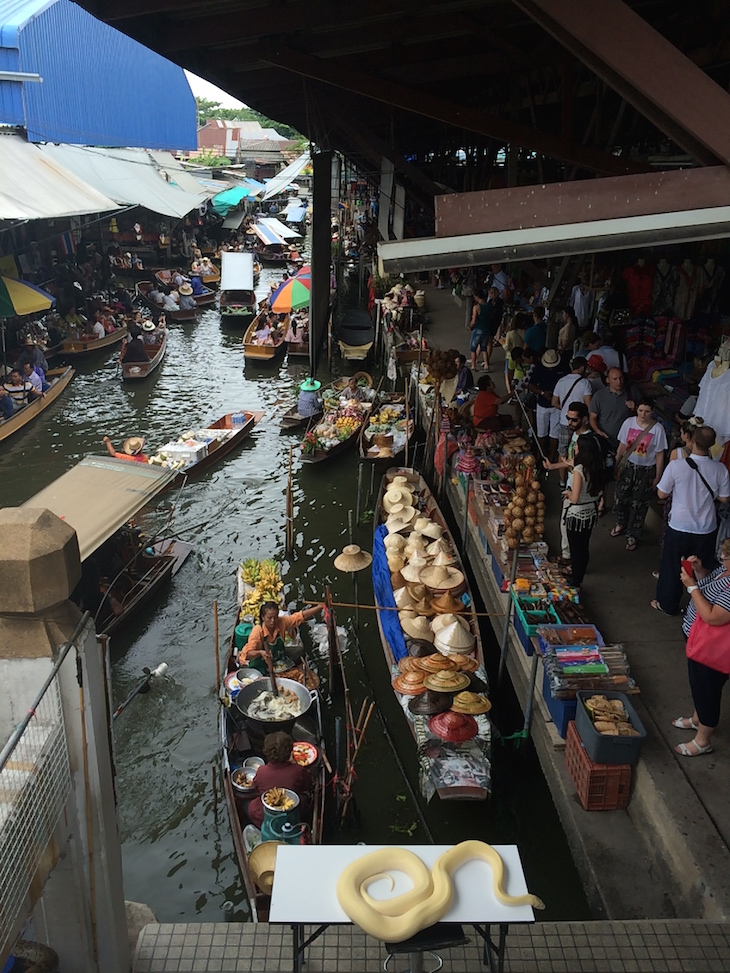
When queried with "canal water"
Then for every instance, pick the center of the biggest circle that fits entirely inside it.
(177, 848)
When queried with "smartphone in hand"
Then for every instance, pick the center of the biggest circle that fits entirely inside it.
(688, 567)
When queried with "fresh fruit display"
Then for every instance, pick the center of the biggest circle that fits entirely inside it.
(441, 365)
(261, 582)
(337, 425)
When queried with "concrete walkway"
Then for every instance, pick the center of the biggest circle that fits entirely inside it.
(678, 805)
(565, 947)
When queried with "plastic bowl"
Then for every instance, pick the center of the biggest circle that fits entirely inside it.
(277, 810)
(239, 775)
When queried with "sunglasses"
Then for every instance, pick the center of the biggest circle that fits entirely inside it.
(573, 418)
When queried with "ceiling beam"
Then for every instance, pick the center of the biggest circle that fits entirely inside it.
(644, 68)
(447, 112)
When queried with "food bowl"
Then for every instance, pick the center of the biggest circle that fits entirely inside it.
(305, 754)
(254, 763)
(242, 779)
(247, 674)
(277, 809)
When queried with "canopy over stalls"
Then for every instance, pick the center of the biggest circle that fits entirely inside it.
(277, 228)
(228, 199)
(279, 183)
(236, 271)
(35, 186)
(181, 177)
(295, 215)
(130, 176)
(99, 495)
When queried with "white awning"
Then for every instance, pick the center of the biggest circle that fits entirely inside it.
(34, 186)
(276, 226)
(236, 271)
(182, 178)
(99, 495)
(280, 181)
(475, 249)
(129, 176)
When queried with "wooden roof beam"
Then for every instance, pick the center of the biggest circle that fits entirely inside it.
(447, 112)
(644, 68)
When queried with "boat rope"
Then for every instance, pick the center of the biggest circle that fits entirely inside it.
(383, 608)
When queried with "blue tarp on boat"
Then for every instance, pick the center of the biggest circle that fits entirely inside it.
(383, 589)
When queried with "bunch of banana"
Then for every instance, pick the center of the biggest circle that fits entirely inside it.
(250, 570)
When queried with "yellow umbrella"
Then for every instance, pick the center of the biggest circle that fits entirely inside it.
(19, 297)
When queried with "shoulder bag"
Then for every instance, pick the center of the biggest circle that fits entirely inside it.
(693, 465)
(709, 645)
(570, 391)
(621, 466)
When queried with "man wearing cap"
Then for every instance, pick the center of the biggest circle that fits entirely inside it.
(309, 403)
(568, 389)
(542, 381)
(132, 449)
(187, 301)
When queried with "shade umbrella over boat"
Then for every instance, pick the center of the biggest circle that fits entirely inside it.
(20, 297)
(292, 295)
(228, 199)
(304, 272)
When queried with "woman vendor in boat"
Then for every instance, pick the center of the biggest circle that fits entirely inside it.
(280, 771)
(132, 449)
(309, 403)
(353, 391)
(265, 644)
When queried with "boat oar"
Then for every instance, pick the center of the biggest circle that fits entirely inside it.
(142, 687)
(270, 667)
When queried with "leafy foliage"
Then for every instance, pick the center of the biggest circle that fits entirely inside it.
(207, 158)
(208, 109)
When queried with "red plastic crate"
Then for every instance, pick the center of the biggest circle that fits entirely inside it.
(600, 787)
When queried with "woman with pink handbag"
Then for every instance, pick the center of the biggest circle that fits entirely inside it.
(707, 625)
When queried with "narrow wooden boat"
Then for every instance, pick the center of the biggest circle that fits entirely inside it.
(143, 578)
(355, 334)
(320, 455)
(226, 436)
(239, 741)
(212, 279)
(237, 298)
(205, 299)
(292, 420)
(143, 288)
(297, 350)
(384, 457)
(453, 771)
(262, 354)
(155, 353)
(58, 379)
(73, 347)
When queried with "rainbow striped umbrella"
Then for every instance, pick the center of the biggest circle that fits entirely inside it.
(19, 297)
(292, 295)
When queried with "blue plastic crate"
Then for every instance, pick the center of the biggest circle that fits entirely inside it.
(562, 710)
(497, 571)
(525, 640)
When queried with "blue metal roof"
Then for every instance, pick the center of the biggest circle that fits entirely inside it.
(99, 86)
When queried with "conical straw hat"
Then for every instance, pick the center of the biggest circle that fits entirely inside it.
(417, 627)
(407, 614)
(439, 547)
(465, 663)
(423, 607)
(396, 562)
(433, 530)
(454, 638)
(353, 559)
(403, 599)
(441, 621)
(420, 524)
(409, 664)
(394, 542)
(448, 604)
(396, 523)
(443, 559)
(428, 703)
(453, 727)
(442, 577)
(417, 590)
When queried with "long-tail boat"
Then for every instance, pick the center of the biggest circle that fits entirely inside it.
(58, 379)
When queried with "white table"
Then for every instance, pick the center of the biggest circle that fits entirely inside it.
(305, 882)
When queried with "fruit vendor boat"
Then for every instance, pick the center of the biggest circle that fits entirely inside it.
(292, 420)
(144, 287)
(241, 738)
(338, 428)
(197, 450)
(58, 379)
(155, 353)
(389, 428)
(454, 763)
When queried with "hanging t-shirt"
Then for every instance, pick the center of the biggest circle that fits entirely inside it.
(713, 403)
(653, 442)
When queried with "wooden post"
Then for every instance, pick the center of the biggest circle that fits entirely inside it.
(408, 416)
(507, 615)
(465, 522)
(217, 650)
(290, 506)
(359, 491)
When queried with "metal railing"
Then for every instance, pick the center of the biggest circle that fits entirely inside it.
(35, 780)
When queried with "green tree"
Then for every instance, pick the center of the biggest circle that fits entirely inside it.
(208, 109)
(208, 158)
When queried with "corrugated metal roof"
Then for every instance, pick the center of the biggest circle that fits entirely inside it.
(34, 186)
(99, 86)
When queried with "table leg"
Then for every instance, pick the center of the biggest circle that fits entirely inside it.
(297, 952)
(494, 952)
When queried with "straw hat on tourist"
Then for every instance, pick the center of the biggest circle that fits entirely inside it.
(133, 445)
(550, 359)
(185, 289)
(148, 326)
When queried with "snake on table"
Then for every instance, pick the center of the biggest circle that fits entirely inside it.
(430, 898)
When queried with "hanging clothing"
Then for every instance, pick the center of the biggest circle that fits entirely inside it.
(688, 290)
(713, 403)
(639, 285)
(664, 290)
(711, 280)
(581, 300)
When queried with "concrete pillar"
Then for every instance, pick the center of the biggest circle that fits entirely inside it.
(77, 910)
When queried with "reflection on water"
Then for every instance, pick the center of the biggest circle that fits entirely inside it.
(177, 847)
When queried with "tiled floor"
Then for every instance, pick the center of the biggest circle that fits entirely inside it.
(590, 947)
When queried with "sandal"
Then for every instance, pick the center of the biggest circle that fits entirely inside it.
(618, 531)
(631, 543)
(657, 607)
(683, 749)
(685, 723)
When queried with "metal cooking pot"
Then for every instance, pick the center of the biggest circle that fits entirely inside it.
(251, 692)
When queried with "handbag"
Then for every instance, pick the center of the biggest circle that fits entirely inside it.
(710, 645)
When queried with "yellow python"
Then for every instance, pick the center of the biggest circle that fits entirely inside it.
(430, 898)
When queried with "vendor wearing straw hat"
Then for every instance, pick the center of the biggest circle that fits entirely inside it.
(265, 644)
(309, 403)
(132, 449)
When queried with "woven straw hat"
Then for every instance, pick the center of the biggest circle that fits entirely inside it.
(403, 599)
(353, 559)
(440, 547)
(420, 648)
(409, 683)
(399, 519)
(400, 481)
(433, 530)
(417, 590)
(396, 495)
(414, 542)
(454, 638)
(438, 663)
(423, 607)
(409, 664)
(428, 703)
(443, 560)
(407, 614)
(397, 580)
(453, 727)
(261, 864)
(441, 621)
(471, 703)
(441, 577)
(418, 628)
(133, 445)
(448, 604)
(420, 524)
(446, 681)
(396, 562)
(416, 563)
(465, 663)
(394, 542)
